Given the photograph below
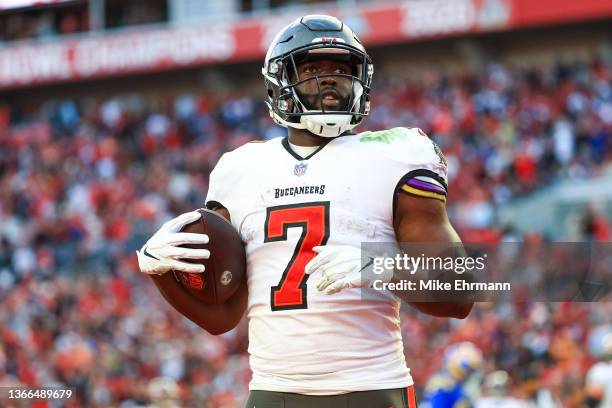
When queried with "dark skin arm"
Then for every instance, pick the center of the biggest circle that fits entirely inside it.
(419, 219)
(215, 319)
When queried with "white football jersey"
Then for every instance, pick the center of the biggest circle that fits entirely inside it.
(301, 340)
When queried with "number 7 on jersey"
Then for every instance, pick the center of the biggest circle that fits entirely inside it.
(313, 219)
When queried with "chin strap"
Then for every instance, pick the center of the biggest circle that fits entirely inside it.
(327, 125)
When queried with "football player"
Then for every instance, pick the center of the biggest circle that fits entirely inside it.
(303, 204)
(448, 388)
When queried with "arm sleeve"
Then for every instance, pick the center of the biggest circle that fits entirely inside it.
(424, 166)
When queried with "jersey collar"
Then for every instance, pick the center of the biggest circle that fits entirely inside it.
(285, 143)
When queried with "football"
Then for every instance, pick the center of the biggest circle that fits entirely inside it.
(225, 268)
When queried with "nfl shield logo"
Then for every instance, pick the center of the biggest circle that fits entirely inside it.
(300, 169)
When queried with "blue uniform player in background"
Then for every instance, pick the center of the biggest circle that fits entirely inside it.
(446, 389)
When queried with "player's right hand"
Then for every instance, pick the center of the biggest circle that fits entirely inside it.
(163, 251)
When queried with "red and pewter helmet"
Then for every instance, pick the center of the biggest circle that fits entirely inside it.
(309, 38)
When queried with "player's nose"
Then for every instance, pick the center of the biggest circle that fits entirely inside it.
(328, 80)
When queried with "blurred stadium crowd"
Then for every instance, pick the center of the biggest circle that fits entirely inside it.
(83, 183)
(73, 18)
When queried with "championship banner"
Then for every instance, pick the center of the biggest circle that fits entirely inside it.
(138, 50)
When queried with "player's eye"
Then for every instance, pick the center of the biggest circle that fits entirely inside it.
(340, 71)
(310, 69)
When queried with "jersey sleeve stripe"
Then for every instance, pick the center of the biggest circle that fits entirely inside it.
(431, 186)
(425, 174)
(422, 193)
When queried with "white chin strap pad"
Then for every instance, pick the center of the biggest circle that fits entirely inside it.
(327, 125)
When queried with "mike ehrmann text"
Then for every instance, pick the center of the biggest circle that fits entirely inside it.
(437, 285)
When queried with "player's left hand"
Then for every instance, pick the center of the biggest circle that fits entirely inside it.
(339, 265)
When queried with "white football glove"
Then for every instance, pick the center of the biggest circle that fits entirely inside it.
(162, 252)
(340, 268)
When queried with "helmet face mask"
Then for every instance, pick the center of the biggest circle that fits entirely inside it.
(299, 102)
(310, 93)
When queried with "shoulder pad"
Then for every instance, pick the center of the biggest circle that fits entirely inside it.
(388, 135)
(410, 145)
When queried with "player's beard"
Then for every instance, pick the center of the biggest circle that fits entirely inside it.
(315, 100)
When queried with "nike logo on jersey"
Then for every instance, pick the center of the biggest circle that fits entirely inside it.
(298, 190)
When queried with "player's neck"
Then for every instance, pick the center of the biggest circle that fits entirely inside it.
(301, 137)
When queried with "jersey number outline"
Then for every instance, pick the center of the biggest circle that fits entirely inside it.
(313, 218)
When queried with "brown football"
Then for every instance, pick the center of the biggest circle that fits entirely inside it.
(225, 268)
